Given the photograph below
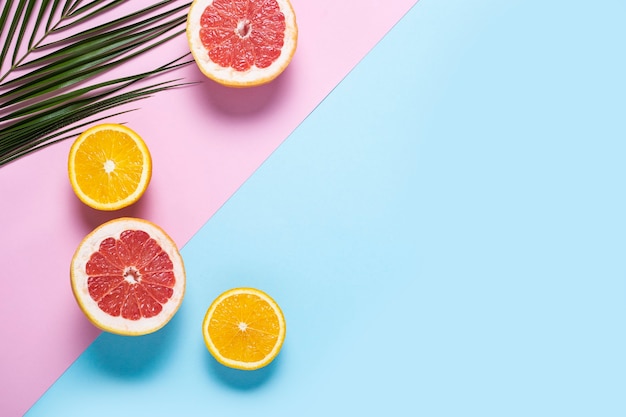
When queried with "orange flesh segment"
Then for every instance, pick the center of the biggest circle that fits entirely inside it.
(244, 328)
(119, 164)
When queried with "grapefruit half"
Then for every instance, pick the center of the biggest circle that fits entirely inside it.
(242, 43)
(128, 277)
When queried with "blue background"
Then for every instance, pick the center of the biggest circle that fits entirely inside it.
(445, 234)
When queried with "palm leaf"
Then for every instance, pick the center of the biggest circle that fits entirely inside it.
(52, 66)
(35, 120)
(71, 73)
(17, 18)
(53, 11)
(59, 118)
(54, 138)
(108, 26)
(91, 50)
(38, 22)
(25, 19)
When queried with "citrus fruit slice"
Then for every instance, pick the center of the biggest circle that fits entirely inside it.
(242, 43)
(109, 167)
(244, 328)
(128, 277)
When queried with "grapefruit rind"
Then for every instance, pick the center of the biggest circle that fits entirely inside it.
(230, 77)
(145, 176)
(78, 278)
(246, 366)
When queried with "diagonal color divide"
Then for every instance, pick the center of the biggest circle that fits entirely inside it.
(447, 241)
(205, 140)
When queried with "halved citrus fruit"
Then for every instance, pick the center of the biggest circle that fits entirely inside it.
(109, 166)
(244, 328)
(128, 277)
(242, 43)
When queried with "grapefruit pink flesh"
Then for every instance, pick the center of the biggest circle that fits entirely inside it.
(131, 276)
(242, 33)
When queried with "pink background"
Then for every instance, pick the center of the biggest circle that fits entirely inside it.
(206, 140)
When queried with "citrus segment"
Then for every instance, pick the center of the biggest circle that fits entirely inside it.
(109, 167)
(244, 328)
(128, 277)
(242, 42)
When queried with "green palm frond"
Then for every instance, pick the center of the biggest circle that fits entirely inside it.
(54, 62)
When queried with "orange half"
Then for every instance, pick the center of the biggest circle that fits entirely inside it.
(109, 167)
(244, 328)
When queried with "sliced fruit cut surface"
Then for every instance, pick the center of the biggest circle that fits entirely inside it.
(242, 43)
(244, 328)
(109, 167)
(128, 277)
